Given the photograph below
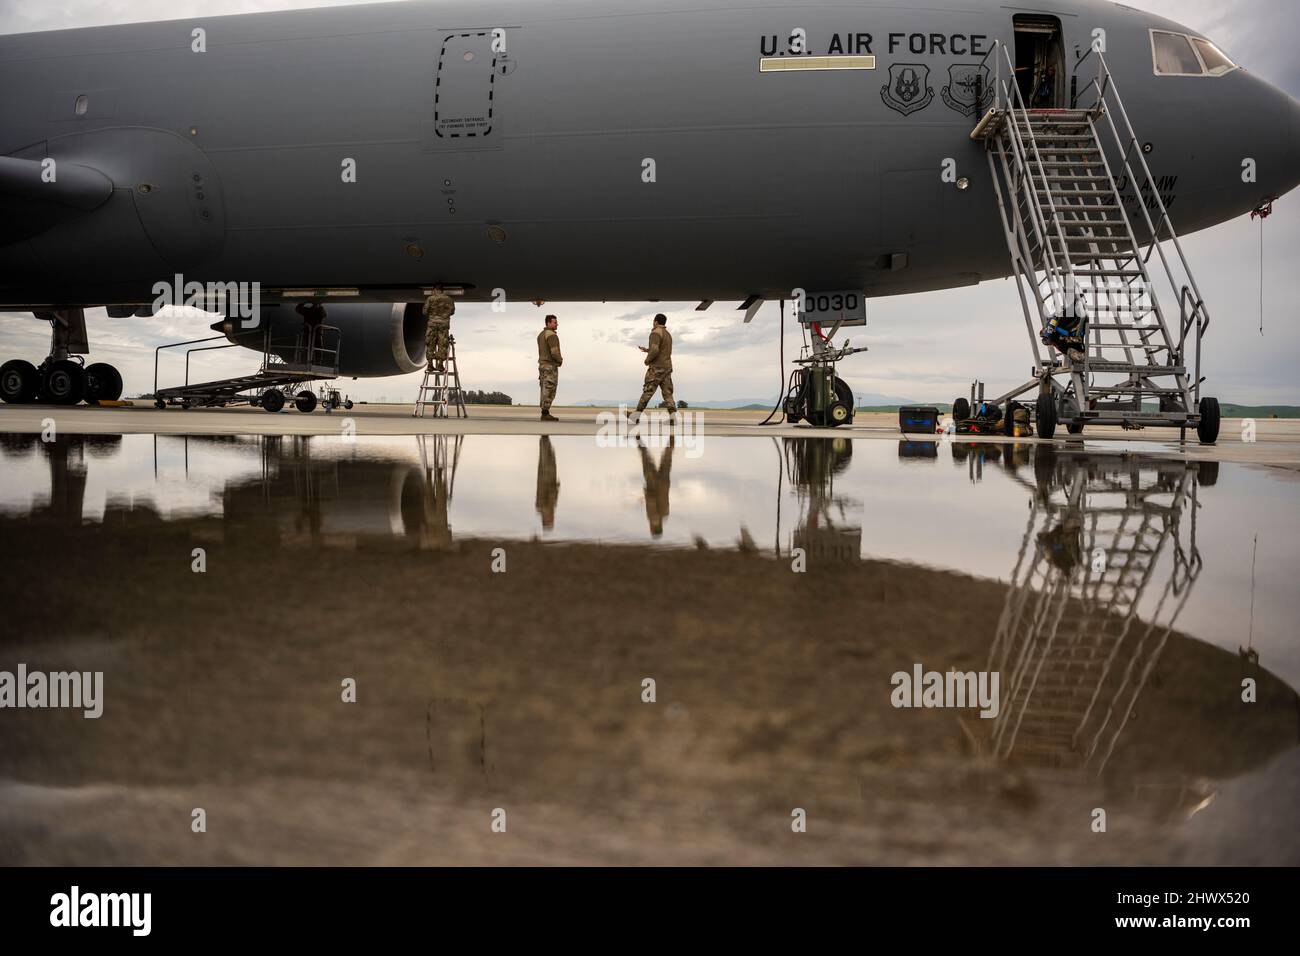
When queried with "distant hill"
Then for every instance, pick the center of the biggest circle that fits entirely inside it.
(1229, 410)
(1259, 411)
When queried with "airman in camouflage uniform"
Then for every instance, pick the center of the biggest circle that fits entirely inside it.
(438, 310)
(549, 361)
(659, 367)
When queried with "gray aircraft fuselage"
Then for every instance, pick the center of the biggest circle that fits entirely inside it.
(525, 170)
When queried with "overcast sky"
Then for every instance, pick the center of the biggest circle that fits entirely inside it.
(922, 346)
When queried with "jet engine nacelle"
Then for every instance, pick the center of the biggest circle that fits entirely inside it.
(375, 338)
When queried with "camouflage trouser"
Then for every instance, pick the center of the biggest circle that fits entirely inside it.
(661, 379)
(435, 341)
(548, 377)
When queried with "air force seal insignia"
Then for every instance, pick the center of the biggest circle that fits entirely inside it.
(961, 89)
(908, 89)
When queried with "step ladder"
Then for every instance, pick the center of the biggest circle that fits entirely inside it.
(1074, 244)
(439, 458)
(441, 389)
(1079, 633)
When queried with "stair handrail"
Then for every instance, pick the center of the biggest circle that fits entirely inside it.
(1200, 317)
(1106, 85)
(157, 353)
(1014, 101)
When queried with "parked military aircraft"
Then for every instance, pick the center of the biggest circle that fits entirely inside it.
(568, 150)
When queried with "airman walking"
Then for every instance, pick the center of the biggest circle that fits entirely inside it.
(659, 367)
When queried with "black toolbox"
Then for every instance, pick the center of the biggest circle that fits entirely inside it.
(918, 419)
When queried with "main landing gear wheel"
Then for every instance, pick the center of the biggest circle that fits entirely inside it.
(305, 401)
(19, 382)
(103, 383)
(1046, 415)
(960, 410)
(273, 400)
(1208, 428)
(64, 383)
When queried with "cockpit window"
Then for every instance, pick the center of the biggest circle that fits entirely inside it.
(1177, 54)
(1216, 62)
(1174, 55)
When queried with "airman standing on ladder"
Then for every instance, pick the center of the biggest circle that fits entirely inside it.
(549, 361)
(438, 310)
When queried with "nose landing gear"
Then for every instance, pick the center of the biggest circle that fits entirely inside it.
(816, 394)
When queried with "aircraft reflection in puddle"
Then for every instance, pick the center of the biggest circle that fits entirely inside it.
(827, 531)
(788, 697)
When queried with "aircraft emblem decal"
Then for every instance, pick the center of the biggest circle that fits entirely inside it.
(908, 89)
(960, 91)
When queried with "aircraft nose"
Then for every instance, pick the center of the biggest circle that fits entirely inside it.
(1269, 138)
(1291, 151)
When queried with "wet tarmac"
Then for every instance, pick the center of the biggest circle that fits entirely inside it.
(500, 603)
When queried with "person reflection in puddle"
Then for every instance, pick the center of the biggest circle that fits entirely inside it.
(657, 482)
(548, 485)
(1062, 544)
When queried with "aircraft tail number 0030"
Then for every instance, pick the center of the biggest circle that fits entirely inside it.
(831, 308)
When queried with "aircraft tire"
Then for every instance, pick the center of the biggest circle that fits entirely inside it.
(19, 382)
(103, 383)
(64, 383)
(960, 410)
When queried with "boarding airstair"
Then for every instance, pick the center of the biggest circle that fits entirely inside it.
(1080, 634)
(1077, 250)
(288, 366)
